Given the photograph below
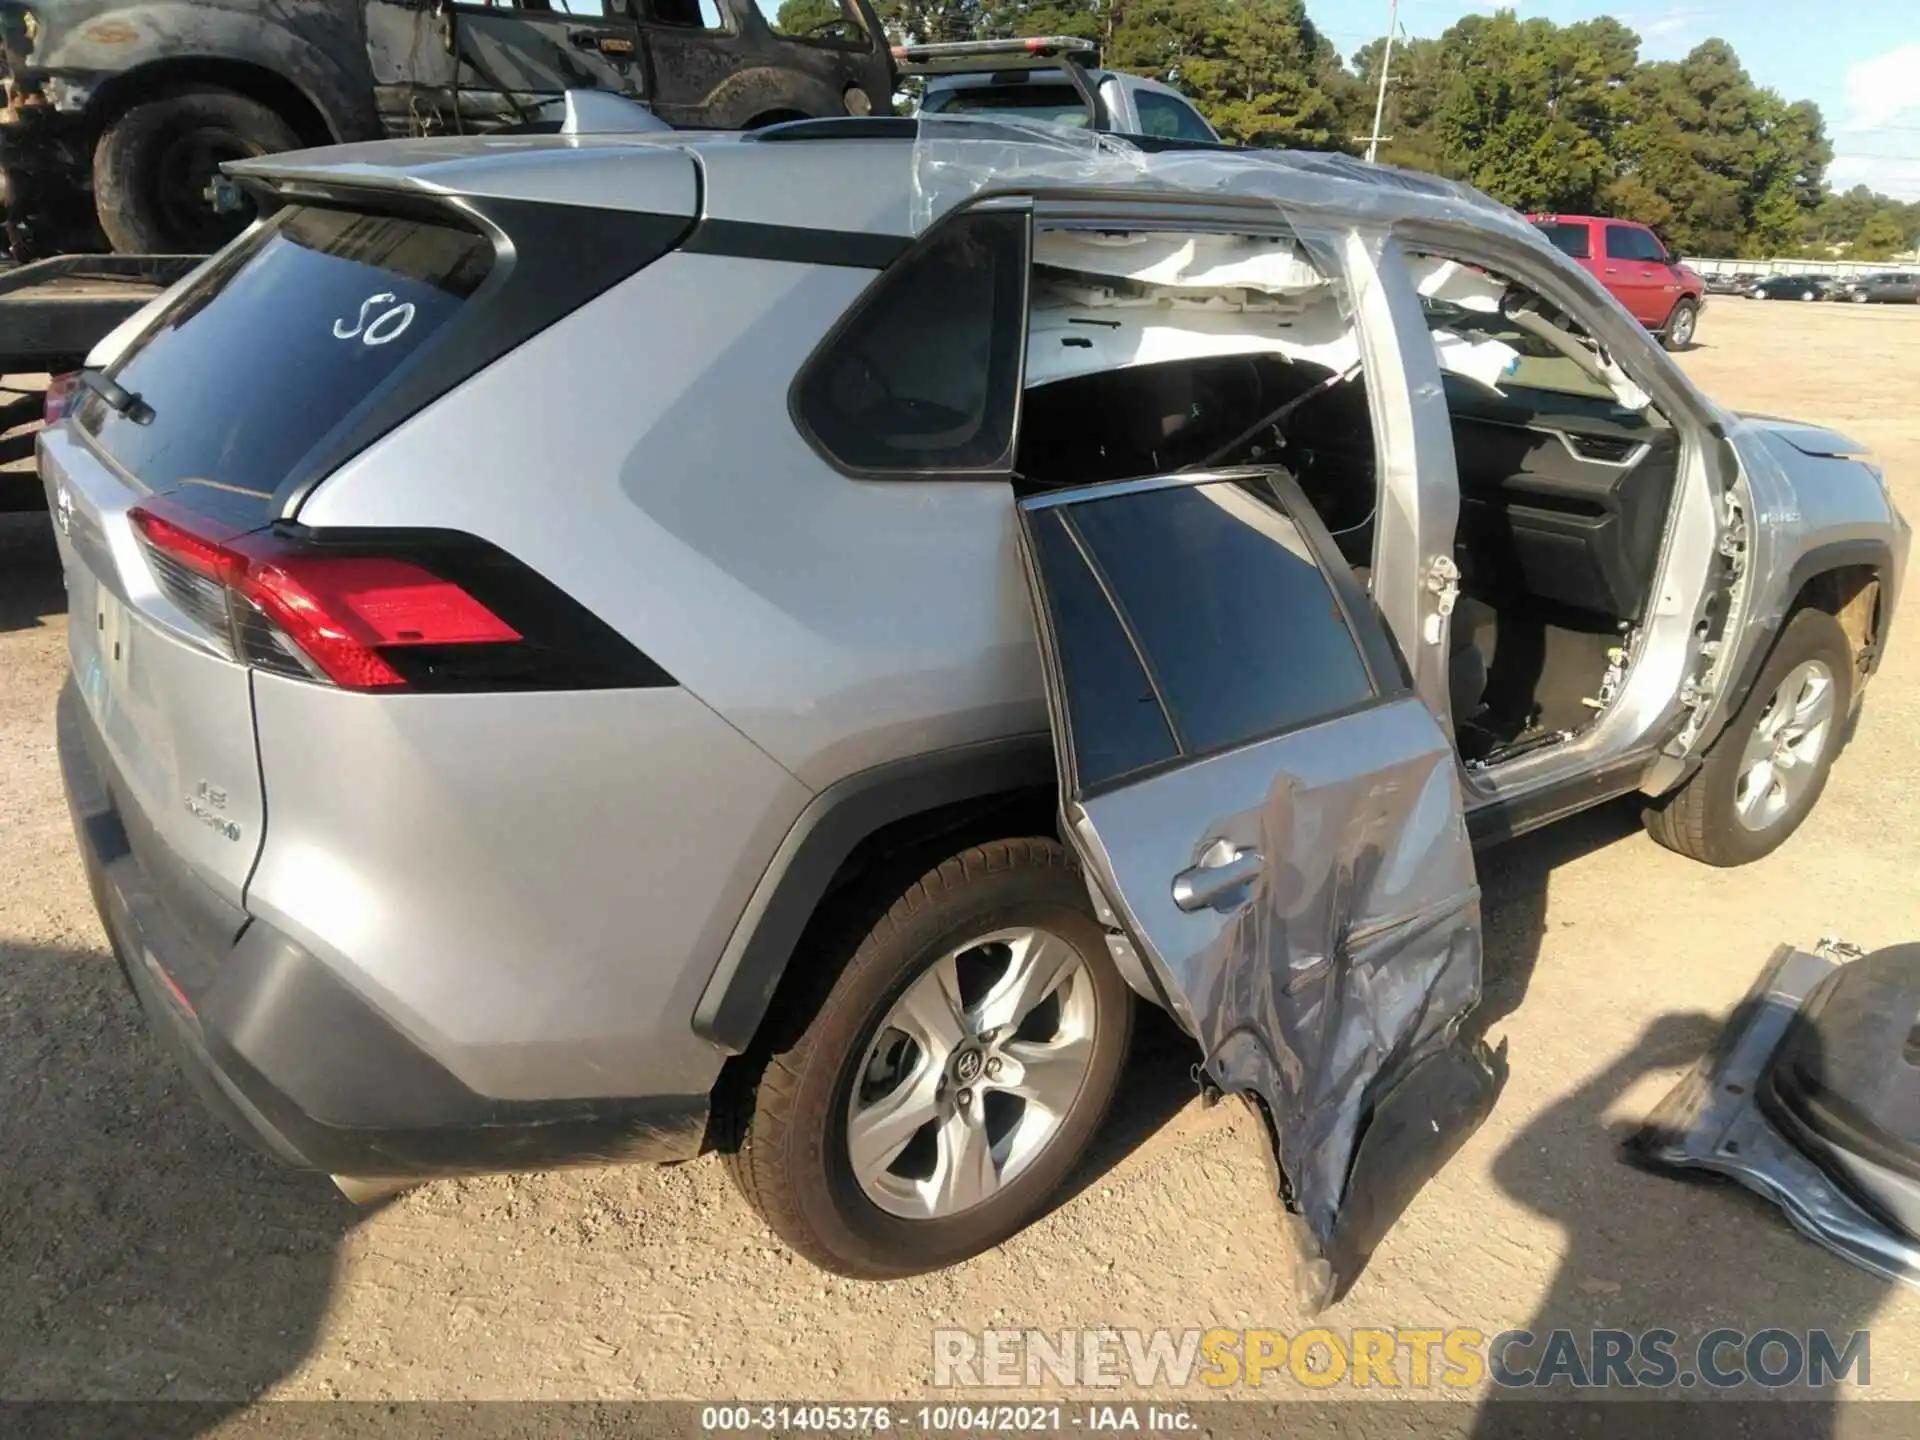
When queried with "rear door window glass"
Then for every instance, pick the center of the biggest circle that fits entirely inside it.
(1223, 620)
(1568, 237)
(276, 344)
(924, 375)
(1117, 722)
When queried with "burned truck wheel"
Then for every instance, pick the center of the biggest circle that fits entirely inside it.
(951, 1078)
(1769, 765)
(155, 165)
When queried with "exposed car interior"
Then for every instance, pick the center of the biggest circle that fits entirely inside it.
(1154, 352)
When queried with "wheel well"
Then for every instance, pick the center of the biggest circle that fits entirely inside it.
(874, 875)
(168, 77)
(1851, 594)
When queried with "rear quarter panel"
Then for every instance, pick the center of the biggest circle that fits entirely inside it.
(526, 884)
(640, 455)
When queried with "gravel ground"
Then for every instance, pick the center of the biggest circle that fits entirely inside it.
(145, 1254)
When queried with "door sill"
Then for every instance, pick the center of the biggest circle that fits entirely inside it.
(1493, 820)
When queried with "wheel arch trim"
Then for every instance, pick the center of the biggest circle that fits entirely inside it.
(809, 860)
(1864, 552)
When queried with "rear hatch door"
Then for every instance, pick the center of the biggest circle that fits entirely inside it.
(193, 434)
(171, 737)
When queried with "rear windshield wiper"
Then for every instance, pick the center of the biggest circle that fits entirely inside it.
(118, 398)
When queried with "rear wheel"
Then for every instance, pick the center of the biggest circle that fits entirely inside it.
(1768, 767)
(1681, 326)
(952, 1077)
(155, 165)
(1808, 295)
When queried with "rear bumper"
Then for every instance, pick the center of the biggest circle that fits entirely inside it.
(298, 1063)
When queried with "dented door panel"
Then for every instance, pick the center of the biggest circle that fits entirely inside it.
(1294, 870)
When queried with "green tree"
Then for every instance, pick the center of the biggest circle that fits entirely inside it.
(1882, 235)
(803, 17)
(1541, 116)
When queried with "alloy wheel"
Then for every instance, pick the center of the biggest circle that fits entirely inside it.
(971, 1073)
(1783, 754)
(1681, 331)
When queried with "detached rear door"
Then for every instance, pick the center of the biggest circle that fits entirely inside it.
(1272, 820)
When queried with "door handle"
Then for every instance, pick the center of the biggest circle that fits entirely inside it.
(1222, 867)
(598, 40)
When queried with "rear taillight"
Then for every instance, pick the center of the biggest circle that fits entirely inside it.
(62, 395)
(403, 612)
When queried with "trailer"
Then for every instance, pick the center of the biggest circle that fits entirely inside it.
(52, 313)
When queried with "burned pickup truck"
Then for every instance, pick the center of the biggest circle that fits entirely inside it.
(117, 116)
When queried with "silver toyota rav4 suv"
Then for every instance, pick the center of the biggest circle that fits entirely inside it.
(593, 648)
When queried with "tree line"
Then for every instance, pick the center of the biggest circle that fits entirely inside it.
(1542, 116)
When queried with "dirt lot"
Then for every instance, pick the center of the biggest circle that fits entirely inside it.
(143, 1253)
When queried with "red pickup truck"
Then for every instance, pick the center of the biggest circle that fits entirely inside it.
(1628, 258)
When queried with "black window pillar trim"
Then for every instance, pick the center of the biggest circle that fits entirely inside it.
(992, 203)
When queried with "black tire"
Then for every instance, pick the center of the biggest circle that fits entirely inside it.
(1681, 326)
(1699, 818)
(791, 1161)
(154, 161)
(1809, 295)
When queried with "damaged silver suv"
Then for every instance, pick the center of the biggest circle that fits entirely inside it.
(590, 648)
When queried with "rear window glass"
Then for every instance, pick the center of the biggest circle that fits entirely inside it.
(1052, 104)
(276, 344)
(1567, 237)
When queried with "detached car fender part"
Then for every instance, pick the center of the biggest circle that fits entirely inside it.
(1730, 1117)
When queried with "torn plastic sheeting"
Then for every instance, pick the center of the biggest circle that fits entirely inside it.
(956, 157)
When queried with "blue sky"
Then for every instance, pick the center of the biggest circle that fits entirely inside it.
(1859, 60)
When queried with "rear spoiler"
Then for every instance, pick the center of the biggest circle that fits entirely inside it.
(1065, 53)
